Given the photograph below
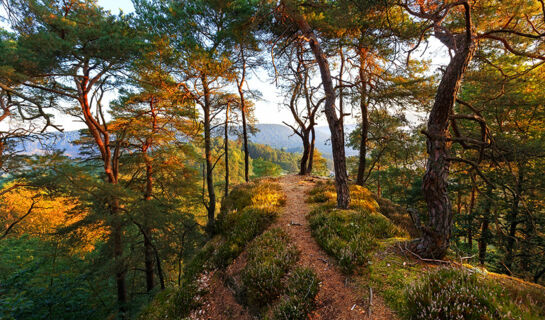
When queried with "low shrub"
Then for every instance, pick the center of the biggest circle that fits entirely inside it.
(245, 214)
(350, 235)
(239, 228)
(172, 303)
(258, 194)
(270, 257)
(299, 299)
(448, 293)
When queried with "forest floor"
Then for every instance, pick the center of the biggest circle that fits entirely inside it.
(338, 297)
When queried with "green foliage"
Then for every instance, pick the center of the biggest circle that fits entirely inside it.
(349, 235)
(246, 213)
(270, 257)
(286, 160)
(302, 288)
(264, 168)
(451, 294)
(37, 281)
(172, 303)
(239, 228)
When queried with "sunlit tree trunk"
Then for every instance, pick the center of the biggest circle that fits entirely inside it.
(243, 111)
(226, 151)
(207, 108)
(436, 233)
(335, 124)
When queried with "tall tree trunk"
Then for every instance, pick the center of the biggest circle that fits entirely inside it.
(335, 124)
(226, 141)
(470, 216)
(311, 152)
(364, 108)
(513, 222)
(211, 207)
(485, 233)
(379, 187)
(243, 111)
(149, 252)
(111, 169)
(148, 249)
(306, 153)
(120, 270)
(435, 237)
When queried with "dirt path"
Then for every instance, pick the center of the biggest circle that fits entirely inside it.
(337, 299)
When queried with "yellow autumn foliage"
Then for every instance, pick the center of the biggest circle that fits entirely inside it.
(31, 211)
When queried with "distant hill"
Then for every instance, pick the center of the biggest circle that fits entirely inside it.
(274, 135)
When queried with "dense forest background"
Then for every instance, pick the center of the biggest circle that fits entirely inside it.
(96, 223)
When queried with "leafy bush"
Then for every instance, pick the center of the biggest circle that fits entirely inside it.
(448, 293)
(270, 258)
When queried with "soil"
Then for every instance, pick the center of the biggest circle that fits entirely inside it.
(338, 297)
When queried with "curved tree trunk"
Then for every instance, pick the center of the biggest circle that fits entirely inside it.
(335, 124)
(436, 234)
(243, 111)
(311, 152)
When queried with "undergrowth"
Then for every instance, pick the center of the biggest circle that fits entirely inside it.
(272, 286)
(349, 235)
(245, 214)
(270, 258)
(413, 289)
(461, 293)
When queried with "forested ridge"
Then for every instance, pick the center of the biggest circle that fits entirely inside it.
(405, 181)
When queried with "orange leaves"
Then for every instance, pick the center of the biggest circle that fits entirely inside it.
(25, 210)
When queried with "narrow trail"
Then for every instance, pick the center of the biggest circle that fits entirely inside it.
(337, 298)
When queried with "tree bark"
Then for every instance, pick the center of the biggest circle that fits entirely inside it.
(226, 141)
(306, 153)
(364, 108)
(470, 216)
(148, 249)
(111, 168)
(243, 111)
(435, 237)
(483, 240)
(335, 124)
(311, 152)
(211, 207)
(119, 263)
(513, 222)
(149, 252)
